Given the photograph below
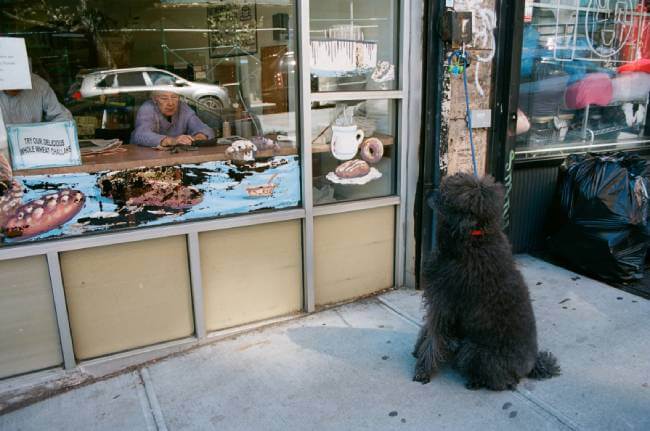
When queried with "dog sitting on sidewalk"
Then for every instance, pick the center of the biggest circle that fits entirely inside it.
(479, 315)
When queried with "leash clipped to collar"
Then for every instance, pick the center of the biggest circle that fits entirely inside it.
(458, 63)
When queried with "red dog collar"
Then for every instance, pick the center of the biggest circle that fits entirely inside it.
(476, 232)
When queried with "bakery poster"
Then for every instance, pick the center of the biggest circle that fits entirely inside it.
(14, 64)
(232, 28)
(43, 145)
(39, 207)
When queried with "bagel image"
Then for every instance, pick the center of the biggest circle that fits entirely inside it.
(372, 150)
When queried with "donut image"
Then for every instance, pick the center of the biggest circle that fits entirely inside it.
(43, 214)
(372, 150)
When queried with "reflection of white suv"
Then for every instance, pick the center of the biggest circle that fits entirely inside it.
(142, 79)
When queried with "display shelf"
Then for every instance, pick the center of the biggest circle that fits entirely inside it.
(587, 131)
(136, 156)
(577, 8)
(387, 140)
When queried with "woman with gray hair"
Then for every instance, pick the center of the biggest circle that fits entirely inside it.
(166, 121)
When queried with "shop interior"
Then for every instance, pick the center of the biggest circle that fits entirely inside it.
(232, 67)
(233, 63)
(582, 83)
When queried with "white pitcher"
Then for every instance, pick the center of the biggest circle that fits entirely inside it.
(346, 141)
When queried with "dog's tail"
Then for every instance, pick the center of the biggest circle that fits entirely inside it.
(546, 366)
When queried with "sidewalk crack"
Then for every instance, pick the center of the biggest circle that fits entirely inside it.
(394, 309)
(338, 313)
(152, 399)
(547, 409)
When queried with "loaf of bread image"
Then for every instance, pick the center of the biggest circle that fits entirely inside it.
(352, 169)
(41, 215)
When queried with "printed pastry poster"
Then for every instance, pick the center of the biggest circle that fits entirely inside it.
(233, 28)
(40, 207)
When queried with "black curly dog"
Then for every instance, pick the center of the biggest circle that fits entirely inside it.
(479, 315)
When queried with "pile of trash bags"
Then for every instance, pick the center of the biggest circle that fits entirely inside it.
(602, 228)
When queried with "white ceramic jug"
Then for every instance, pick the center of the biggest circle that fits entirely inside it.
(346, 141)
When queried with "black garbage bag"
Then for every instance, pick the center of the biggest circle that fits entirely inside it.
(603, 205)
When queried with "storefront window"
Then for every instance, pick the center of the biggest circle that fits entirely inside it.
(585, 76)
(354, 45)
(354, 149)
(170, 110)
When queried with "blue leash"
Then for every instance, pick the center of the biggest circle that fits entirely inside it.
(456, 69)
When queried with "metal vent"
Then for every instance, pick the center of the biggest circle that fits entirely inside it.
(533, 189)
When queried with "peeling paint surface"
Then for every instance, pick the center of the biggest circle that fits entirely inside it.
(455, 151)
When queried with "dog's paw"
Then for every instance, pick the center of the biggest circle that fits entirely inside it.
(422, 376)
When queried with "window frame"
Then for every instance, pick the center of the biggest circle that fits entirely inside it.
(306, 212)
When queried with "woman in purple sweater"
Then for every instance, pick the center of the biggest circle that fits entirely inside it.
(165, 121)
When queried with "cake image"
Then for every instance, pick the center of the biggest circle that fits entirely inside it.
(242, 150)
(159, 187)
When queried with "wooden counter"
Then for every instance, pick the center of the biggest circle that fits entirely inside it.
(137, 156)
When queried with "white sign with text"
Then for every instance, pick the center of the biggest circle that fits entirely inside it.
(43, 145)
(14, 65)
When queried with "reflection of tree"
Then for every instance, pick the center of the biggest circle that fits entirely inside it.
(77, 18)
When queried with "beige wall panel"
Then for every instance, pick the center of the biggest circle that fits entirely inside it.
(126, 296)
(29, 338)
(353, 254)
(251, 273)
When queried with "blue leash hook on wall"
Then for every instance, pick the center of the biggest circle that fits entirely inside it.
(457, 64)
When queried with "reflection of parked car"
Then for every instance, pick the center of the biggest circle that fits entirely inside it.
(140, 79)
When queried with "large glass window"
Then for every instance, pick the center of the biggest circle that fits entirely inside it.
(182, 109)
(354, 149)
(354, 50)
(585, 76)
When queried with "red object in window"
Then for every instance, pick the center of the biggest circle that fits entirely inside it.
(641, 65)
(637, 47)
(595, 89)
(76, 95)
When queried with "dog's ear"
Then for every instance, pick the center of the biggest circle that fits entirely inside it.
(493, 190)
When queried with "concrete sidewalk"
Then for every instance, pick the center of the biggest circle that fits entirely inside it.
(350, 368)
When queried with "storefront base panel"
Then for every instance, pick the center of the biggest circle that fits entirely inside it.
(29, 339)
(533, 188)
(251, 273)
(353, 254)
(126, 296)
